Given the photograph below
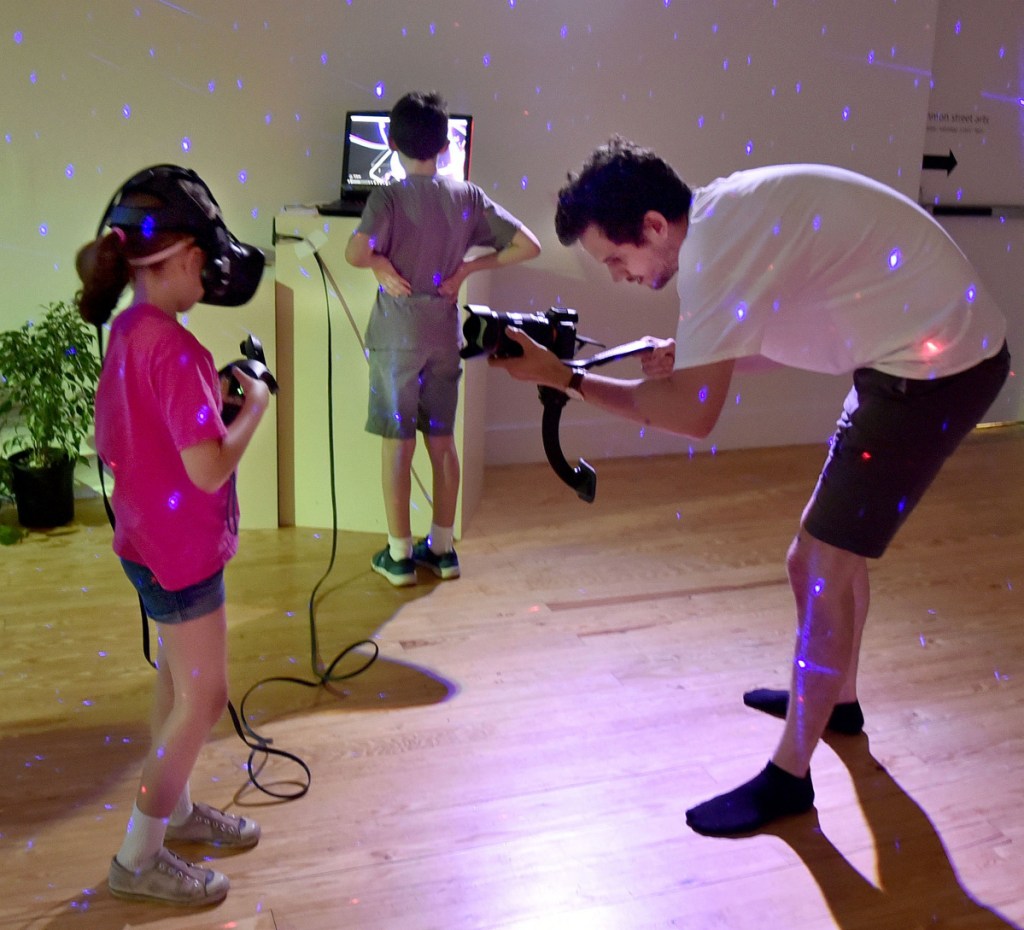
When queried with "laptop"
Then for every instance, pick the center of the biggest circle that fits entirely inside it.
(368, 162)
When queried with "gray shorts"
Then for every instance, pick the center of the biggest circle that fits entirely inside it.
(413, 389)
(165, 606)
(892, 439)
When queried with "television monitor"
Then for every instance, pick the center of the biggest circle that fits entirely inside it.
(368, 161)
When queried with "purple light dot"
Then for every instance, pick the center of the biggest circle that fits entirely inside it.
(524, 182)
(268, 118)
(43, 229)
(749, 147)
(378, 90)
(69, 171)
(211, 86)
(18, 36)
(323, 58)
(174, 501)
(894, 258)
(126, 111)
(243, 176)
(741, 311)
(971, 293)
(486, 61)
(186, 144)
(33, 77)
(846, 114)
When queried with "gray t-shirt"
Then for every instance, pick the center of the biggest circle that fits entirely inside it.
(425, 225)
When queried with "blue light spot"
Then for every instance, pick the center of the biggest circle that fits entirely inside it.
(323, 58)
(43, 229)
(378, 90)
(702, 394)
(18, 36)
(895, 258)
(486, 61)
(203, 414)
(749, 147)
(33, 78)
(126, 111)
(564, 31)
(524, 182)
(174, 501)
(971, 293)
(818, 587)
(243, 176)
(69, 171)
(186, 144)
(816, 223)
(741, 311)
(846, 114)
(211, 86)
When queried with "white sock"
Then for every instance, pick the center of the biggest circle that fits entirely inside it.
(143, 839)
(401, 547)
(182, 810)
(441, 539)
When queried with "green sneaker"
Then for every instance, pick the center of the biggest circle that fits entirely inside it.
(445, 566)
(400, 572)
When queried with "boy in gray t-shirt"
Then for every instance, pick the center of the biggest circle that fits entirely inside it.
(414, 235)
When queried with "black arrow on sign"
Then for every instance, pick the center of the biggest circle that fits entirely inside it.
(939, 163)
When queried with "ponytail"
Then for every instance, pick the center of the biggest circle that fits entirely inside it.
(103, 268)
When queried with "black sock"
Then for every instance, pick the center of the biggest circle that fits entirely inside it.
(772, 794)
(846, 718)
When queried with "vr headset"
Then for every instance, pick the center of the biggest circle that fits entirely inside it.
(233, 269)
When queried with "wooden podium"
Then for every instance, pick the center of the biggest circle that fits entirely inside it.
(323, 373)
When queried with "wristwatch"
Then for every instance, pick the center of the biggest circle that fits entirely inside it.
(575, 385)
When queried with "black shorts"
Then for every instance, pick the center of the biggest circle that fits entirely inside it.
(892, 438)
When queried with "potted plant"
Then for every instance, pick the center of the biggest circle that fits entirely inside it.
(48, 375)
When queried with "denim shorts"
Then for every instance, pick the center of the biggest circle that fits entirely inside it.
(892, 438)
(165, 606)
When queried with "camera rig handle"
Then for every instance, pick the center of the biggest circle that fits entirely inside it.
(582, 478)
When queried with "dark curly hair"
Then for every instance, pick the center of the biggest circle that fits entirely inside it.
(616, 187)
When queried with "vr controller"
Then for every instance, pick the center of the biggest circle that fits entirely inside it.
(254, 364)
(485, 332)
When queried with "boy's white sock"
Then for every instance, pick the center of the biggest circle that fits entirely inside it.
(401, 547)
(441, 539)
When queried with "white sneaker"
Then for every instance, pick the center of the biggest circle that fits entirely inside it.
(168, 879)
(215, 828)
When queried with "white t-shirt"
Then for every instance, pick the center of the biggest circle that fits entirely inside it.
(819, 268)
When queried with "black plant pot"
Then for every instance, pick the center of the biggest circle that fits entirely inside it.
(45, 496)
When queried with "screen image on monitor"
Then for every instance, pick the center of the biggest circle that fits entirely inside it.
(368, 161)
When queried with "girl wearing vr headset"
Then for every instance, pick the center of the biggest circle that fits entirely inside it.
(160, 432)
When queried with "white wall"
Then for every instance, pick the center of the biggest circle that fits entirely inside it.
(252, 94)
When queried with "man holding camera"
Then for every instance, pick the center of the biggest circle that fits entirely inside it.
(820, 269)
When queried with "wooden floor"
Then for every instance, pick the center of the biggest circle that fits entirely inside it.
(522, 753)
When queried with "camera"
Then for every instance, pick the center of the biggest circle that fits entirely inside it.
(254, 364)
(484, 331)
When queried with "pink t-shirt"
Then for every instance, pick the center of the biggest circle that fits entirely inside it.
(159, 393)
